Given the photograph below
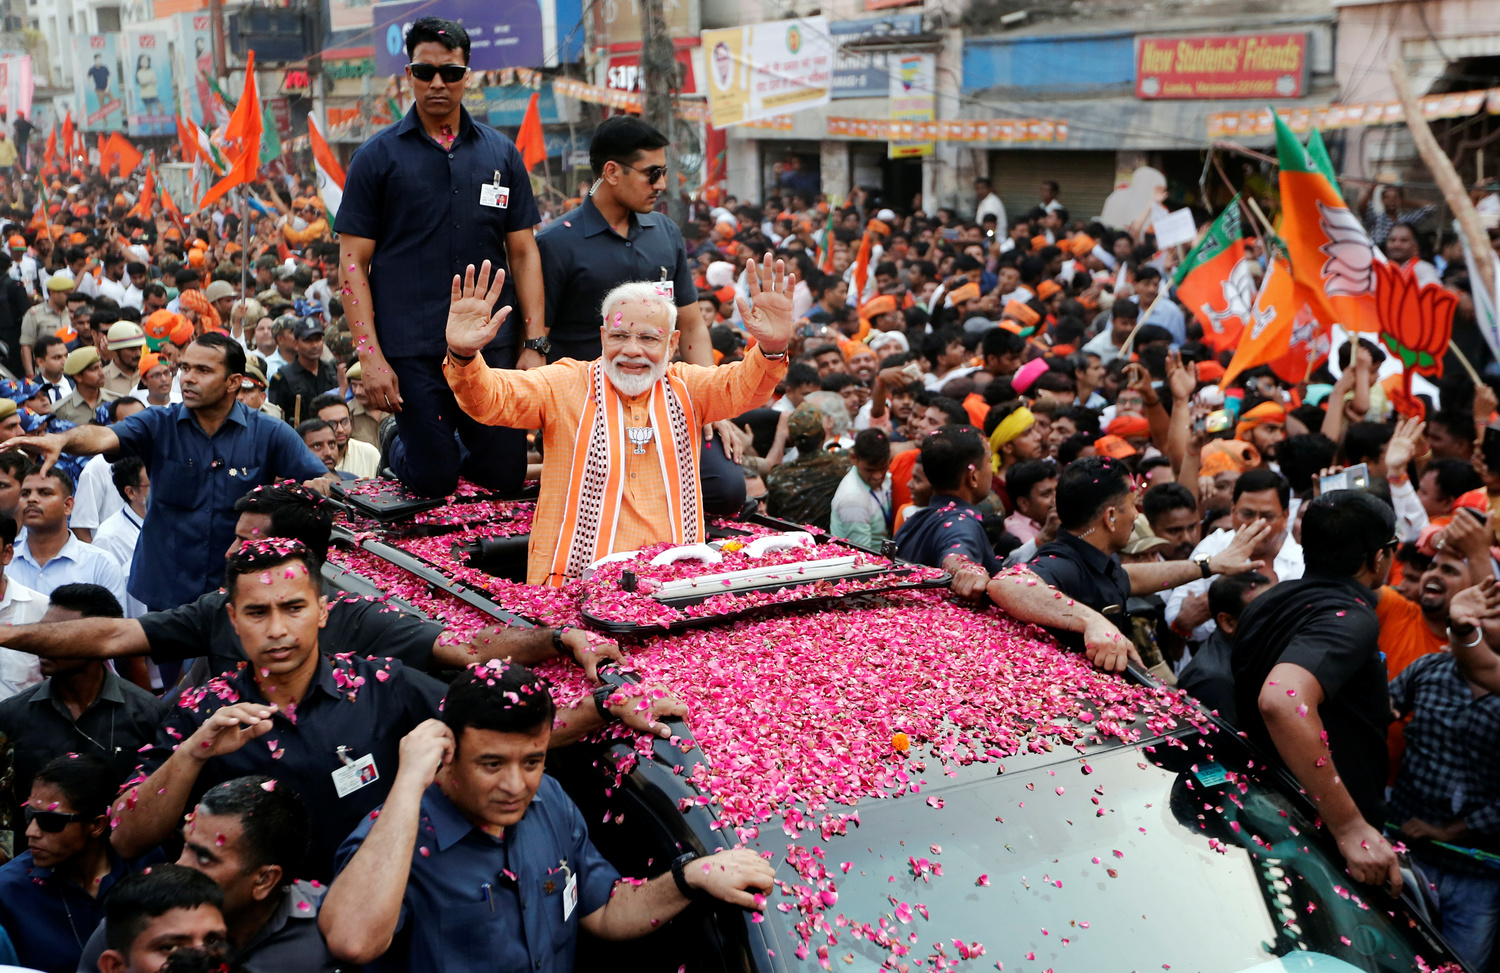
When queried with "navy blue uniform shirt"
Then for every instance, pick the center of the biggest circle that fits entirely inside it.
(195, 481)
(347, 705)
(462, 910)
(583, 259)
(420, 203)
(947, 525)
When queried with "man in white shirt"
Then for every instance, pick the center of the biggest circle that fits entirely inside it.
(120, 532)
(113, 282)
(19, 605)
(355, 457)
(48, 555)
(1260, 494)
(988, 202)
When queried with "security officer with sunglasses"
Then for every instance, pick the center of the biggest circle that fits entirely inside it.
(423, 199)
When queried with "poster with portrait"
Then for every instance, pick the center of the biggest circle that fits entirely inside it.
(774, 68)
(96, 82)
(150, 99)
(193, 65)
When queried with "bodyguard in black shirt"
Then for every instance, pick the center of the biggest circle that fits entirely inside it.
(1306, 663)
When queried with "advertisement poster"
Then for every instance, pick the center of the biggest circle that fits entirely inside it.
(350, 14)
(863, 73)
(96, 82)
(1221, 66)
(913, 99)
(502, 33)
(150, 98)
(762, 70)
(194, 65)
(16, 84)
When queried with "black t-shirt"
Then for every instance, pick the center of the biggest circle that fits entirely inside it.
(1209, 678)
(363, 626)
(1087, 575)
(947, 525)
(1327, 626)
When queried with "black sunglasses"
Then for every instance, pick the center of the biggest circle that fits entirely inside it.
(653, 174)
(452, 73)
(52, 821)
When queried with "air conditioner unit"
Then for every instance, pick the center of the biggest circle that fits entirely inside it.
(277, 35)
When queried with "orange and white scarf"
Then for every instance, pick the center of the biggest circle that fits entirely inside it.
(596, 479)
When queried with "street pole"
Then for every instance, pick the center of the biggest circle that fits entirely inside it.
(659, 83)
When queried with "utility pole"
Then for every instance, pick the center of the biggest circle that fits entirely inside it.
(659, 84)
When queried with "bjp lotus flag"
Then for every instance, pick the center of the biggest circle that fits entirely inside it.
(1330, 252)
(242, 140)
(1215, 282)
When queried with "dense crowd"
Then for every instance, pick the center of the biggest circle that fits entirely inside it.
(1020, 402)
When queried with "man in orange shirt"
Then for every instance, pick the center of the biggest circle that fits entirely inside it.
(621, 432)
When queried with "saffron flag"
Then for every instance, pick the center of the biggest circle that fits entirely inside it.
(1215, 283)
(529, 139)
(242, 138)
(330, 173)
(50, 156)
(67, 146)
(1284, 331)
(825, 245)
(142, 208)
(117, 149)
(1329, 250)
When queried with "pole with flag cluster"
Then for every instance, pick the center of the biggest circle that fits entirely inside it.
(242, 137)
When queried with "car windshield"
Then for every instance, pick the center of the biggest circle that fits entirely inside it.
(1139, 857)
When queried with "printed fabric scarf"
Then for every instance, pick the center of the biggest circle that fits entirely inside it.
(596, 480)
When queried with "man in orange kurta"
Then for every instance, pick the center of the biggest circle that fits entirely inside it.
(620, 433)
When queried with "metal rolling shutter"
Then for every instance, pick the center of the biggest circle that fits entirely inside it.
(1086, 178)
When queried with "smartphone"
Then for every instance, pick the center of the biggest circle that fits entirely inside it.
(1473, 513)
(1217, 421)
(1359, 476)
(1333, 481)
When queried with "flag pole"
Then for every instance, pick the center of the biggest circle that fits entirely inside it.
(1464, 361)
(244, 254)
(1161, 294)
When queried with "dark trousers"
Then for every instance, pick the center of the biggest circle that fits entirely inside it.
(437, 441)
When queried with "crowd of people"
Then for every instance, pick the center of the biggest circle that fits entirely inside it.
(1005, 399)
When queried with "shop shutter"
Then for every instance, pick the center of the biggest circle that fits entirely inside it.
(1086, 178)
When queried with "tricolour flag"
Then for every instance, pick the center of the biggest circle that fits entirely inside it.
(1329, 250)
(197, 147)
(1215, 282)
(330, 173)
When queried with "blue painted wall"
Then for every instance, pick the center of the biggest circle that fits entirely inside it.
(1055, 63)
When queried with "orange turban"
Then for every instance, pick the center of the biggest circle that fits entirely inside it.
(876, 306)
(878, 226)
(1227, 456)
(193, 300)
(1129, 425)
(1047, 288)
(182, 333)
(1038, 241)
(1022, 313)
(1081, 245)
(1266, 412)
(1210, 371)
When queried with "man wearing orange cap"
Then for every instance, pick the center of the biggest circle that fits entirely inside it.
(1263, 427)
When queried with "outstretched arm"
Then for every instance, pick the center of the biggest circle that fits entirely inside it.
(635, 910)
(1027, 597)
(78, 441)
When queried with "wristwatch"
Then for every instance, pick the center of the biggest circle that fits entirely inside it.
(1202, 561)
(601, 703)
(542, 344)
(678, 864)
(558, 645)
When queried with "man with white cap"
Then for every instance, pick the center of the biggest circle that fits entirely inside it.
(126, 340)
(46, 318)
(86, 370)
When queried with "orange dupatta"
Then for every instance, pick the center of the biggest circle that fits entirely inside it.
(596, 480)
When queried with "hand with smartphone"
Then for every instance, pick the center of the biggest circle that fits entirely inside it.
(1356, 477)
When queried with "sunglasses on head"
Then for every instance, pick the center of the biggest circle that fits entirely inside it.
(452, 73)
(52, 821)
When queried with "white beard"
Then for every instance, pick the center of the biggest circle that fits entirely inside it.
(630, 385)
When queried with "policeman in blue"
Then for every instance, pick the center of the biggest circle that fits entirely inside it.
(477, 861)
(424, 198)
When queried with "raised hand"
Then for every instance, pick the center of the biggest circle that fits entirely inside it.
(470, 324)
(768, 316)
(1235, 558)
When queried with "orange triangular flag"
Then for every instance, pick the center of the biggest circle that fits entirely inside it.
(241, 139)
(530, 140)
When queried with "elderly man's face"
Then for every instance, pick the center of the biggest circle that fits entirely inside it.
(639, 341)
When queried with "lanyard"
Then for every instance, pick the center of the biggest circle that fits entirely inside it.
(886, 511)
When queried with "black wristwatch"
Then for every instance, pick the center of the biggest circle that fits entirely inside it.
(541, 344)
(1202, 562)
(601, 703)
(558, 645)
(678, 864)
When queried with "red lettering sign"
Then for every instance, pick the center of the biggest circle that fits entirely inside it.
(1221, 66)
